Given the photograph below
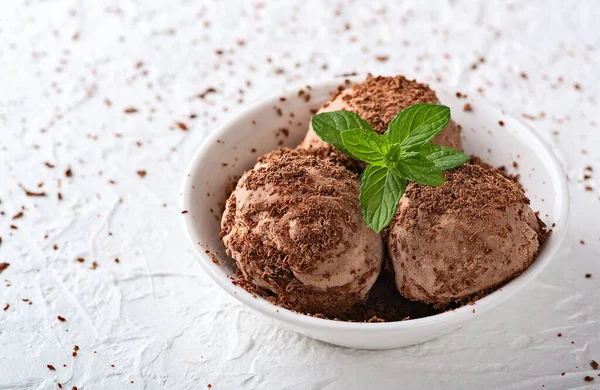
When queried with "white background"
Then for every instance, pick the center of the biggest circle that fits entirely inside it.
(155, 316)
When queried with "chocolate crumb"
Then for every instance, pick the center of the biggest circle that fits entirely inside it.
(141, 173)
(6, 307)
(14, 227)
(80, 259)
(59, 386)
(59, 196)
(61, 319)
(559, 335)
(501, 123)
(209, 385)
(69, 172)
(184, 212)
(576, 86)
(50, 367)
(212, 256)
(3, 266)
(382, 58)
(588, 378)
(182, 126)
(130, 110)
(31, 193)
(588, 188)
(582, 242)
(468, 108)
(594, 364)
(206, 92)
(49, 165)
(562, 373)
(587, 276)
(94, 265)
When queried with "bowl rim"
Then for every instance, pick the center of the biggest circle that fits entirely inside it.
(305, 321)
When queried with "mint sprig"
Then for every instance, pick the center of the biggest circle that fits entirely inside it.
(404, 153)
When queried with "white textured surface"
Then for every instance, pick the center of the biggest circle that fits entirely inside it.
(155, 316)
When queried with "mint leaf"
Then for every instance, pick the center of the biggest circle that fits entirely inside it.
(367, 146)
(417, 124)
(443, 157)
(393, 155)
(416, 167)
(330, 125)
(403, 153)
(380, 192)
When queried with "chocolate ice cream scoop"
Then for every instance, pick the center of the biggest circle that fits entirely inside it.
(294, 227)
(378, 100)
(472, 234)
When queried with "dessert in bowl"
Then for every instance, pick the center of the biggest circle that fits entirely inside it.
(295, 238)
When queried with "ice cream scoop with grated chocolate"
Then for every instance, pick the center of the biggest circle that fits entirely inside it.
(378, 100)
(294, 227)
(461, 239)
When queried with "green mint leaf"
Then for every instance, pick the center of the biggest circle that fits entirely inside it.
(330, 125)
(443, 157)
(418, 124)
(416, 167)
(380, 192)
(367, 146)
(393, 156)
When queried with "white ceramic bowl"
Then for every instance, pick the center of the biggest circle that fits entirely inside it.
(234, 147)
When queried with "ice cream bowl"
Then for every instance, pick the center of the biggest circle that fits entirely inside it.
(282, 120)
